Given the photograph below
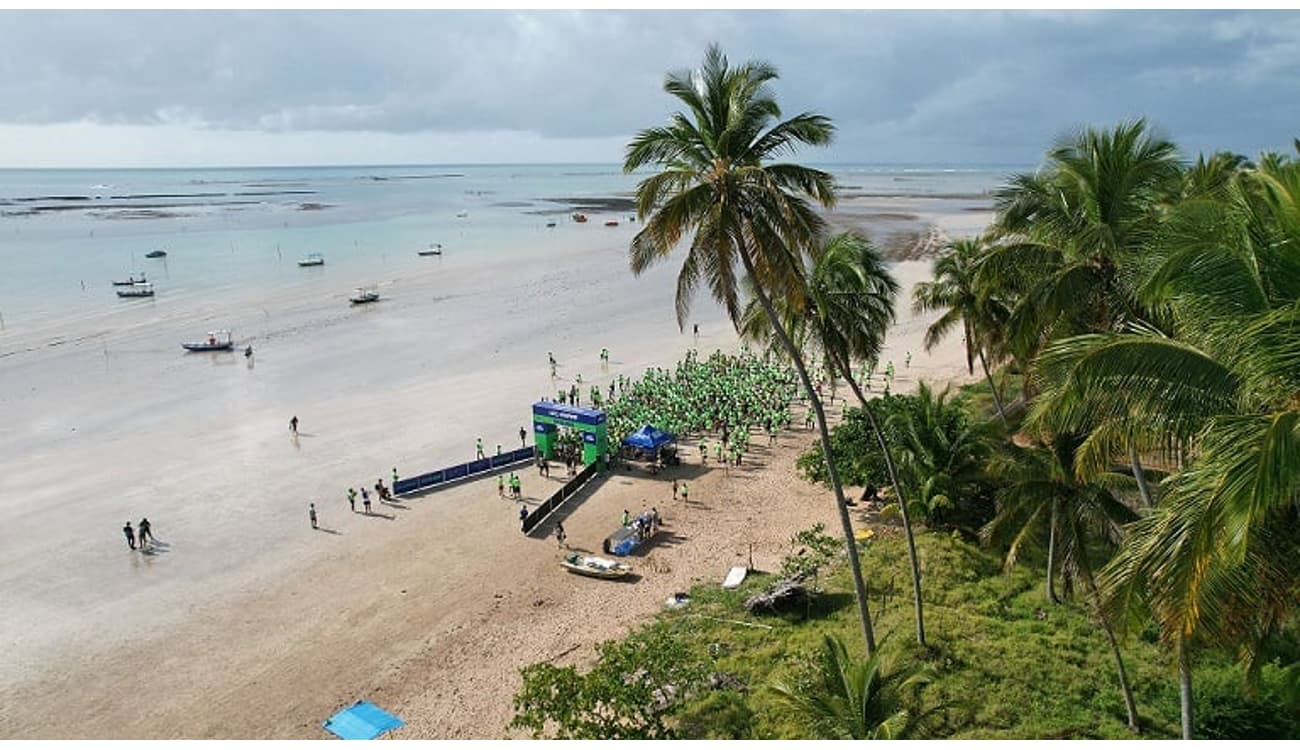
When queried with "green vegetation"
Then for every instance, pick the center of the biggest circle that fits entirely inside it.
(1001, 664)
(1147, 310)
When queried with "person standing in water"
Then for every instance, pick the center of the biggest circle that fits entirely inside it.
(130, 535)
(144, 532)
(293, 424)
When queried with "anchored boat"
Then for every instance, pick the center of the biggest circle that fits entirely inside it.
(131, 281)
(217, 341)
(312, 259)
(138, 289)
(362, 295)
(434, 248)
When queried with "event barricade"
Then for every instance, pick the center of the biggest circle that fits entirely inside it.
(553, 502)
(467, 470)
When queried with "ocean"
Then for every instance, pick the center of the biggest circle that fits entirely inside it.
(66, 234)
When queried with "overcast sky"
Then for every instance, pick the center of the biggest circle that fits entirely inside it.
(977, 87)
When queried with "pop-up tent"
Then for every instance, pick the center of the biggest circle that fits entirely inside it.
(649, 438)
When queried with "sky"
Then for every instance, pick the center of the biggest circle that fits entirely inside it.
(235, 88)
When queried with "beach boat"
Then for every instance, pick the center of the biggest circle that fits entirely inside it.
(131, 281)
(156, 254)
(312, 259)
(433, 249)
(611, 223)
(217, 341)
(139, 289)
(362, 295)
(462, 214)
(580, 218)
(596, 567)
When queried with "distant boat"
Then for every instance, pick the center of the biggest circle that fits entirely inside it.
(312, 259)
(361, 296)
(462, 214)
(217, 341)
(131, 281)
(434, 248)
(550, 225)
(596, 567)
(156, 254)
(141, 289)
(580, 218)
(612, 223)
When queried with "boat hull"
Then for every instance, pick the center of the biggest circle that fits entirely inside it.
(204, 347)
(595, 567)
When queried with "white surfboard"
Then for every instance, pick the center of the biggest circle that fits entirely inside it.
(735, 577)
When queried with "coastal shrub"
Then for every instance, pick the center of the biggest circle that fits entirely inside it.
(939, 450)
(1227, 709)
(633, 692)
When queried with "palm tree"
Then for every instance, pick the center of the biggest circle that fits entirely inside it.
(955, 292)
(718, 185)
(855, 700)
(845, 315)
(1041, 489)
(1214, 561)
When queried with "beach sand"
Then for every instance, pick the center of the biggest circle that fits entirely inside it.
(246, 622)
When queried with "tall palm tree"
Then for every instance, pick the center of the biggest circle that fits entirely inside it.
(1041, 489)
(718, 185)
(1214, 561)
(855, 700)
(955, 292)
(844, 316)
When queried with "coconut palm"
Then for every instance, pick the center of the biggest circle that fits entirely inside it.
(745, 216)
(1214, 561)
(1041, 490)
(848, 699)
(844, 316)
(955, 292)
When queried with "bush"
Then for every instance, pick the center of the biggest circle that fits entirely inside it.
(1224, 709)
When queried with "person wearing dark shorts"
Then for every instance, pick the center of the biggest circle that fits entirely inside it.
(144, 532)
(559, 534)
(130, 534)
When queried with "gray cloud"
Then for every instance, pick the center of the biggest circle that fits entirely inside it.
(901, 86)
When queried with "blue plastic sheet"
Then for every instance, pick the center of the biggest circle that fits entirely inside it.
(362, 720)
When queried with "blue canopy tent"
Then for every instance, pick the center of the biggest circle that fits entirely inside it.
(649, 438)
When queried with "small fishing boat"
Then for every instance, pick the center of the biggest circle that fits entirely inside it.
(312, 259)
(217, 341)
(156, 254)
(433, 249)
(462, 214)
(131, 281)
(362, 295)
(550, 225)
(580, 218)
(612, 223)
(596, 567)
(139, 289)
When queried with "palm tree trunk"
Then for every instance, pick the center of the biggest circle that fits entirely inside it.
(902, 502)
(1185, 687)
(970, 346)
(1051, 556)
(1129, 705)
(846, 523)
(1139, 475)
(993, 388)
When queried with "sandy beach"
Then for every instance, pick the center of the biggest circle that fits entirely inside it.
(246, 623)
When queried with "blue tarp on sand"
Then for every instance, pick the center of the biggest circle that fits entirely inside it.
(362, 720)
(649, 438)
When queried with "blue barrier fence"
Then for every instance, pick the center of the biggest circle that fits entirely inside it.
(553, 502)
(466, 470)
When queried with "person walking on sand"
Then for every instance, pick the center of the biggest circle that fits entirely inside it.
(627, 517)
(311, 514)
(394, 476)
(559, 534)
(293, 424)
(501, 486)
(144, 532)
(365, 500)
(352, 499)
(130, 535)
(523, 437)
(478, 447)
(675, 489)
(523, 518)
(686, 493)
